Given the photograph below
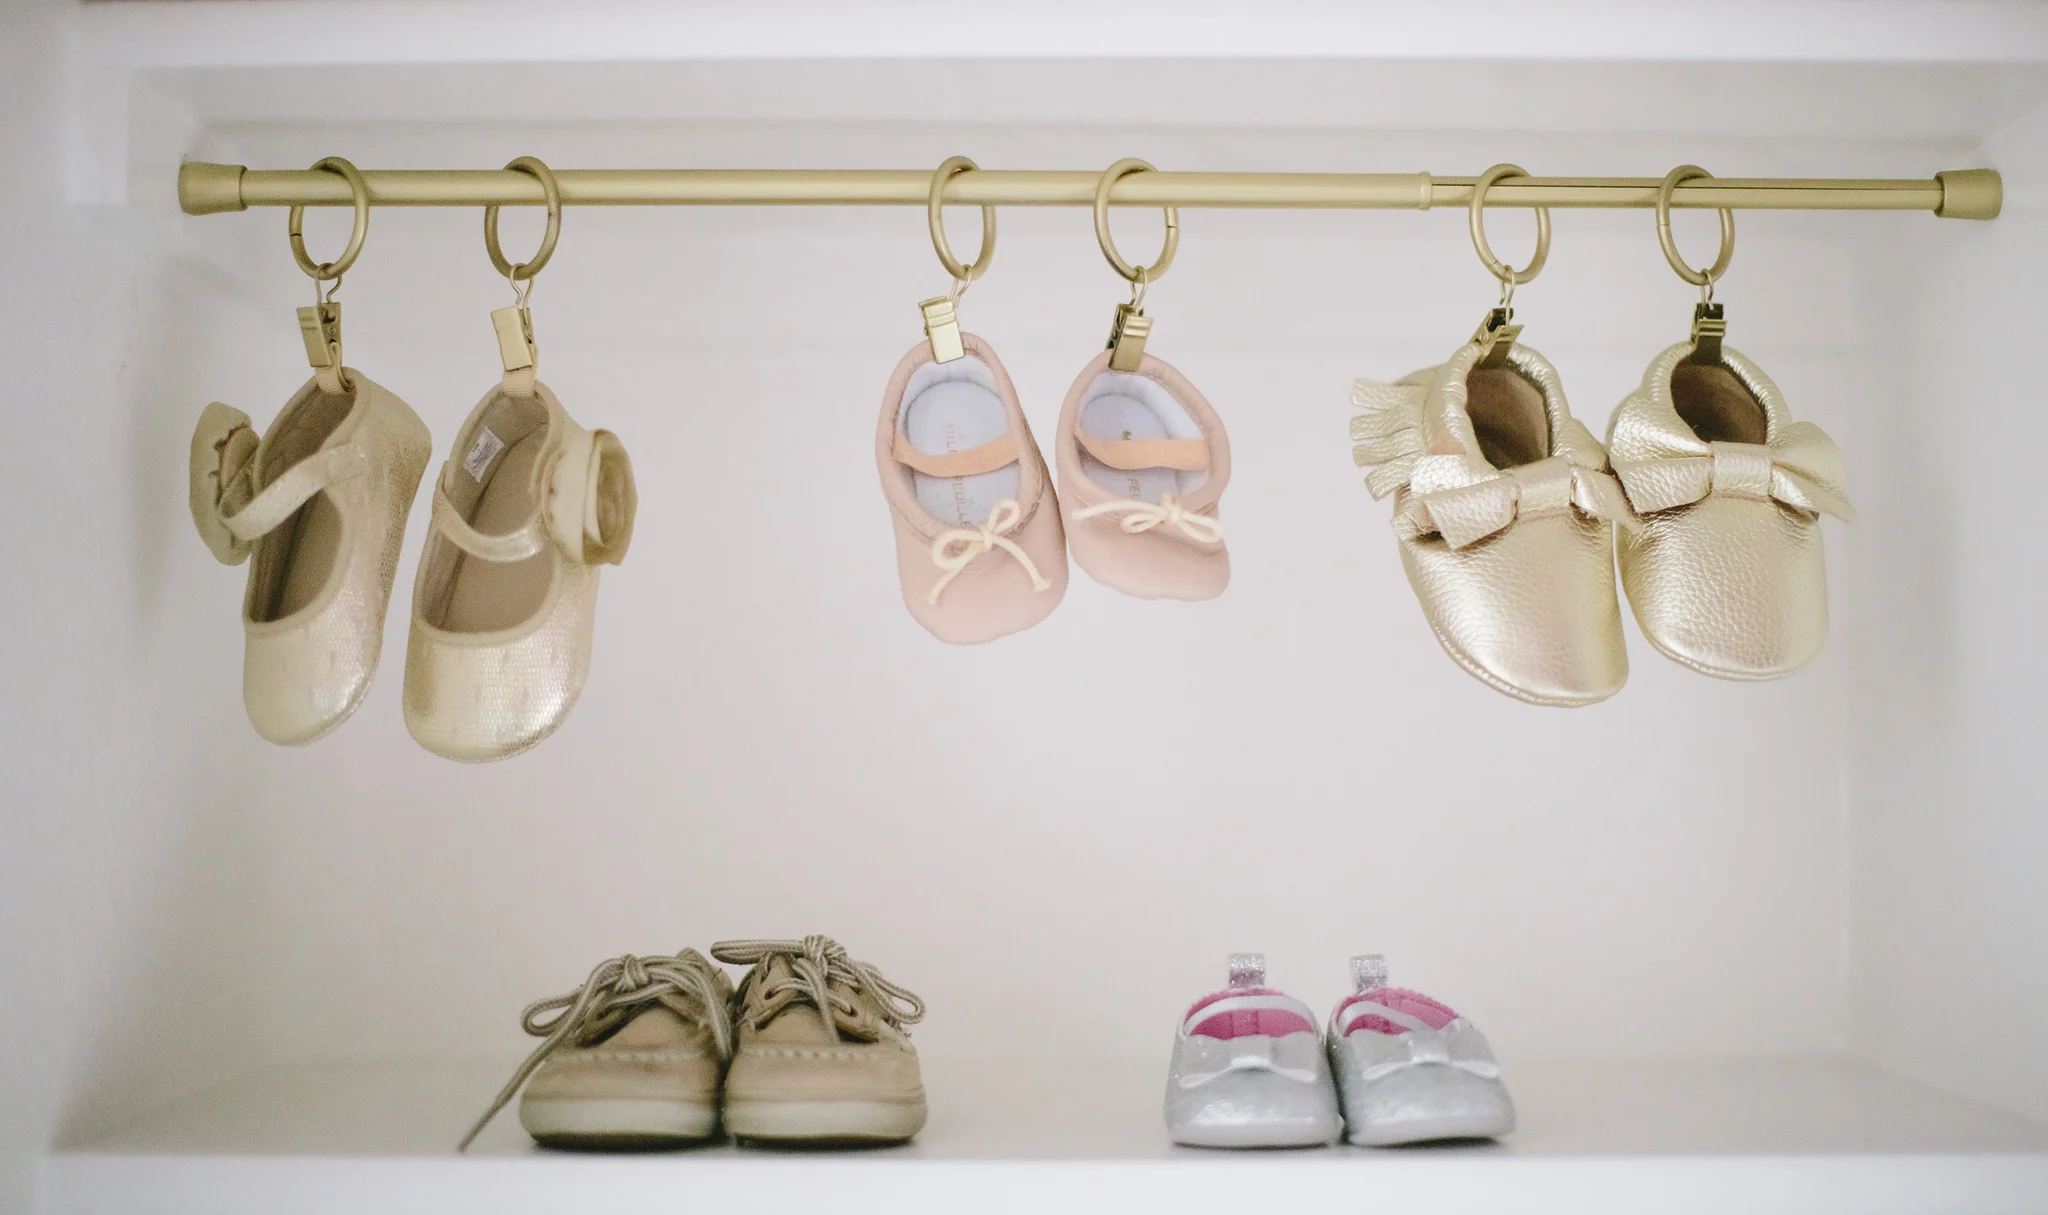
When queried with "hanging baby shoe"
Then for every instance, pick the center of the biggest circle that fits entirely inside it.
(1504, 510)
(1727, 575)
(1143, 459)
(1505, 515)
(321, 501)
(527, 507)
(979, 549)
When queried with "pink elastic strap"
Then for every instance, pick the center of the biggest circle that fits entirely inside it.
(1130, 455)
(994, 454)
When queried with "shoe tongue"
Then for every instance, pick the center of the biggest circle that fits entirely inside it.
(796, 1025)
(656, 1027)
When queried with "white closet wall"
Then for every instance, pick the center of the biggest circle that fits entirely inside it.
(1054, 838)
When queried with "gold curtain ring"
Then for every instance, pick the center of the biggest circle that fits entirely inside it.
(1476, 213)
(359, 193)
(1713, 273)
(935, 211)
(553, 193)
(1136, 274)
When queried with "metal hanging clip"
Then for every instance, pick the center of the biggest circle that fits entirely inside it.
(1129, 328)
(514, 324)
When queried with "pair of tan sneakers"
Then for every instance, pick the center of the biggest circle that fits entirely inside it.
(1507, 511)
(982, 538)
(812, 1047)
(527, 507)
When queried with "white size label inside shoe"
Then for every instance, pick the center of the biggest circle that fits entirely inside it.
(481, 453)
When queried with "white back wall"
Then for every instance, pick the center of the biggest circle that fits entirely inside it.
(1948, 902)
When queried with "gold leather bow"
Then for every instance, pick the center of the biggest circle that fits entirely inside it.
(1669, 466)
(1450, 497)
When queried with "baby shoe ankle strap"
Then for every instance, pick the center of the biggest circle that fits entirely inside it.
(504, 547)
(996, 453)
(1130, 455)
(289, 492)
(588, 504)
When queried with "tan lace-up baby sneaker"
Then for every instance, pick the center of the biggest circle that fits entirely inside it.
(1727, 575)
(1505, 514)
(821, 1051)
(633, 1059)
(321, 501)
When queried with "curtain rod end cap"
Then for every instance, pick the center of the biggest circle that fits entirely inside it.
(1970, 194)
(208, 189)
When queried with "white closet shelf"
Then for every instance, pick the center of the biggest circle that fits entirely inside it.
(1808, 1135)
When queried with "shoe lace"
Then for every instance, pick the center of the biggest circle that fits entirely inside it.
(1144, 516)
(816, 963)
(615, 992)
(954, 549)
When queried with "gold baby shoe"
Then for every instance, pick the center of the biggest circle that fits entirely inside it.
(526, 509)
(322, 502)
(1505, 514)
(1726, 575)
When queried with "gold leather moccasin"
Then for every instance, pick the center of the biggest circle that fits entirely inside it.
(1726, 575)
(1505, 515)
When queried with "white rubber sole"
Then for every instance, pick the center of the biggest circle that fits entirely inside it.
(825, 1121)
(1425, 1130)
(617, 1121)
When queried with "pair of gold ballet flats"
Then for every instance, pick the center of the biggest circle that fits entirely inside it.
(982, 538)
(525, 510)
(1510, 518)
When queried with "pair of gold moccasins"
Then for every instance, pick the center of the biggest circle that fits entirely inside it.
(813, 1047)
(1510, 518)
(527, 507)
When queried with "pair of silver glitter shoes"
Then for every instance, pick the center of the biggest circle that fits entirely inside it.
(1250, 1068)
(1510, 517)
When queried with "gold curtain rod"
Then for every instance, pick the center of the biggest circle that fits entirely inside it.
(204, 189)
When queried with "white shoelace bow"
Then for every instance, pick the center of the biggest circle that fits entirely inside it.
(817, 962)
(957, 547)
(1141, 517)
(614, 993)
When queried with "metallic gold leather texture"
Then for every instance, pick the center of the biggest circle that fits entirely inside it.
(503, 606)
(322, 503)
(1513, 563)
(1728, 575)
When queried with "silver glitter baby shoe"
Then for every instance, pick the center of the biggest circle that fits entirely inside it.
(1249, 1069)
(1409, 1069)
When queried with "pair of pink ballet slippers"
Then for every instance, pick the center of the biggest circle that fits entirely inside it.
(981, 537)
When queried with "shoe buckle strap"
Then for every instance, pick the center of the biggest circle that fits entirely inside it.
(284, 496)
